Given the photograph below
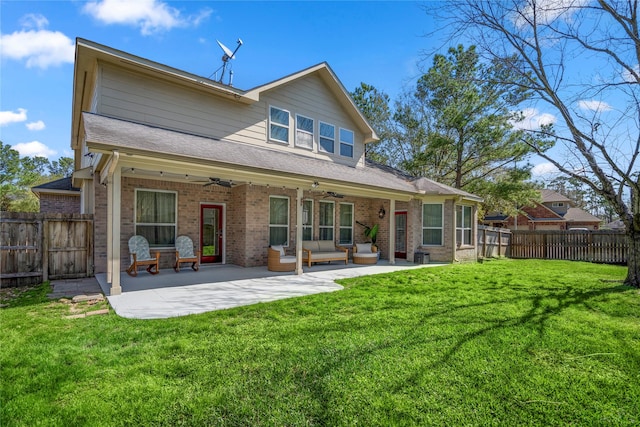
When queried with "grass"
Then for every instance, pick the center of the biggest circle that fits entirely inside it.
(507, 342)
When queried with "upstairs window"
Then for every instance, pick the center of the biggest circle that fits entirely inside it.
(346, 142)
(304, 132)
(278, 125)
(327, 137)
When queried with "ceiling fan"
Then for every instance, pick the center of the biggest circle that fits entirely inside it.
(218, 181)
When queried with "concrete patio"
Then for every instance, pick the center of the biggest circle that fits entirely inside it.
(217, 287)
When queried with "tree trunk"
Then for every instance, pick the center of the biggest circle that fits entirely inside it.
(633, 257)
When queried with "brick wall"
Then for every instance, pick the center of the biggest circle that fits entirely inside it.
(58, 203)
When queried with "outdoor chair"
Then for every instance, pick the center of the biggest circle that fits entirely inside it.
(278, 261)
(139, 250)
(185, 253)
(365, 253)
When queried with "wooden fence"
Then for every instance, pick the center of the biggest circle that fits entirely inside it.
(37, 247)
(603, 246)
(493, 242)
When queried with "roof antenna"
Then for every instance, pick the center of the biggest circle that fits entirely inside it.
(228, 54)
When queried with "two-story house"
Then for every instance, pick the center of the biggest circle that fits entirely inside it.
(161, 152)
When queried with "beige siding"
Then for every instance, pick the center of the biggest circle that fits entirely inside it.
(126, 95)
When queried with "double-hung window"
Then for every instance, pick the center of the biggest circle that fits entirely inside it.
(346, 142)
(278, 220)
(278, 125)
(327, 137)
(304, 132)
(325, 222)
(464, 230)
(432, 224)
(307, 220)
(156, 216)
(346, 224)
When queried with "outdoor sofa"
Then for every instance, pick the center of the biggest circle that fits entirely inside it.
(323, 251)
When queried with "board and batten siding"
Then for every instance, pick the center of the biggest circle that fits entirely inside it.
(130, 96)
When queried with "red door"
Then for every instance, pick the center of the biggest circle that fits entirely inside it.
(401, 235)
(211, 233)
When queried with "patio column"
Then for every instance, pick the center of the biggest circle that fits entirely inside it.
(111, 176)
(299, 201)
(392, 231)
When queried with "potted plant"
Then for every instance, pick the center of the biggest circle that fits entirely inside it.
(372, 234)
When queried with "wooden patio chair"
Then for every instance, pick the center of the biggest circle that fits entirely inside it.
(185, 253)
(139, 250)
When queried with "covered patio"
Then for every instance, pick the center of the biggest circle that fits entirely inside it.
(218, 287)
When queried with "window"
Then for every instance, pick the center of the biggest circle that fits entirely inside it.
(304, 132)
(156, 217)
(432, 224)
(346, 224)
(279, 221)
(327, 137)
(325, 222)
(557, 204)
(307, 220)
(346, 143)
(464, 230)
(278, 125)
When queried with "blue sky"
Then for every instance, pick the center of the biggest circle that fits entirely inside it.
(379, 43)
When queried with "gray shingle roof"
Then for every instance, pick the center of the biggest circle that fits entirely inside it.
(59, 184)
(113, 133)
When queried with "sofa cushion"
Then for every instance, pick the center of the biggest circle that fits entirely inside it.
(319, 256)
(326, 246)
(363, 248)
(311, 245)
(366, 255)
(287, 259)
(278, 248)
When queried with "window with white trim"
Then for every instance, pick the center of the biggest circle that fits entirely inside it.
(432, 224)
(557, 204)
(307, 220)
(325, 221)
(346, 224)
(156, 216)
(327, 137)
(278, 220)
(346, 142)
(278, 125)
(464, 225)
(304, 132)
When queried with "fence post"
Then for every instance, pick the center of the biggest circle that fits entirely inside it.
(44, 236)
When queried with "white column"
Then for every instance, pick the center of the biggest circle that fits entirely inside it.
(392, 231)
(115, 191)
(299, 201)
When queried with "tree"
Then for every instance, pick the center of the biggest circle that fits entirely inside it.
(595, 98)
(465, 116)
(374, 104)
(62, 168)
(9, 168)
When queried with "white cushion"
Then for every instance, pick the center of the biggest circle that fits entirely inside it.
(326, 246)
(369, 255)
(278, 248)
(287, 259)
(311, 245)
(363, 248)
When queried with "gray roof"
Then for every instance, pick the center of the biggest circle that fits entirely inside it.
(64, 184)
(111, 133)
(578, 215)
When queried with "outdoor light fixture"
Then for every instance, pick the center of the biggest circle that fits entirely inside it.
(381, 212)
(315, 184)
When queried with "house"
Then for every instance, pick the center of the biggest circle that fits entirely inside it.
(162, 152)
(553, 212)
(59, 196)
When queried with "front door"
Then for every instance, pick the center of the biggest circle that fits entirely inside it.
(401, 235)
(211, 233)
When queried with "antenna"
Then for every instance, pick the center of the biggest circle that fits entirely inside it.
(228, 54)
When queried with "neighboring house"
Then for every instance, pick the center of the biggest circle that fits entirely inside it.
(59, 196)
(553, 212)
(161, 152)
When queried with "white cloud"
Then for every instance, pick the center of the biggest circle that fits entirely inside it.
(35, 44)
(592, 105)
(8, 117)
(151, 16)
(34, 149)
(533, 119)
(628, 76)
(546, 11)
(39, 125)
(544, 170)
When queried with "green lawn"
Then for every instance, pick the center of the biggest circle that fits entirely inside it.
(502, 343)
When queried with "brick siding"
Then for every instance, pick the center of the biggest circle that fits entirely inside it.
(58, 203)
